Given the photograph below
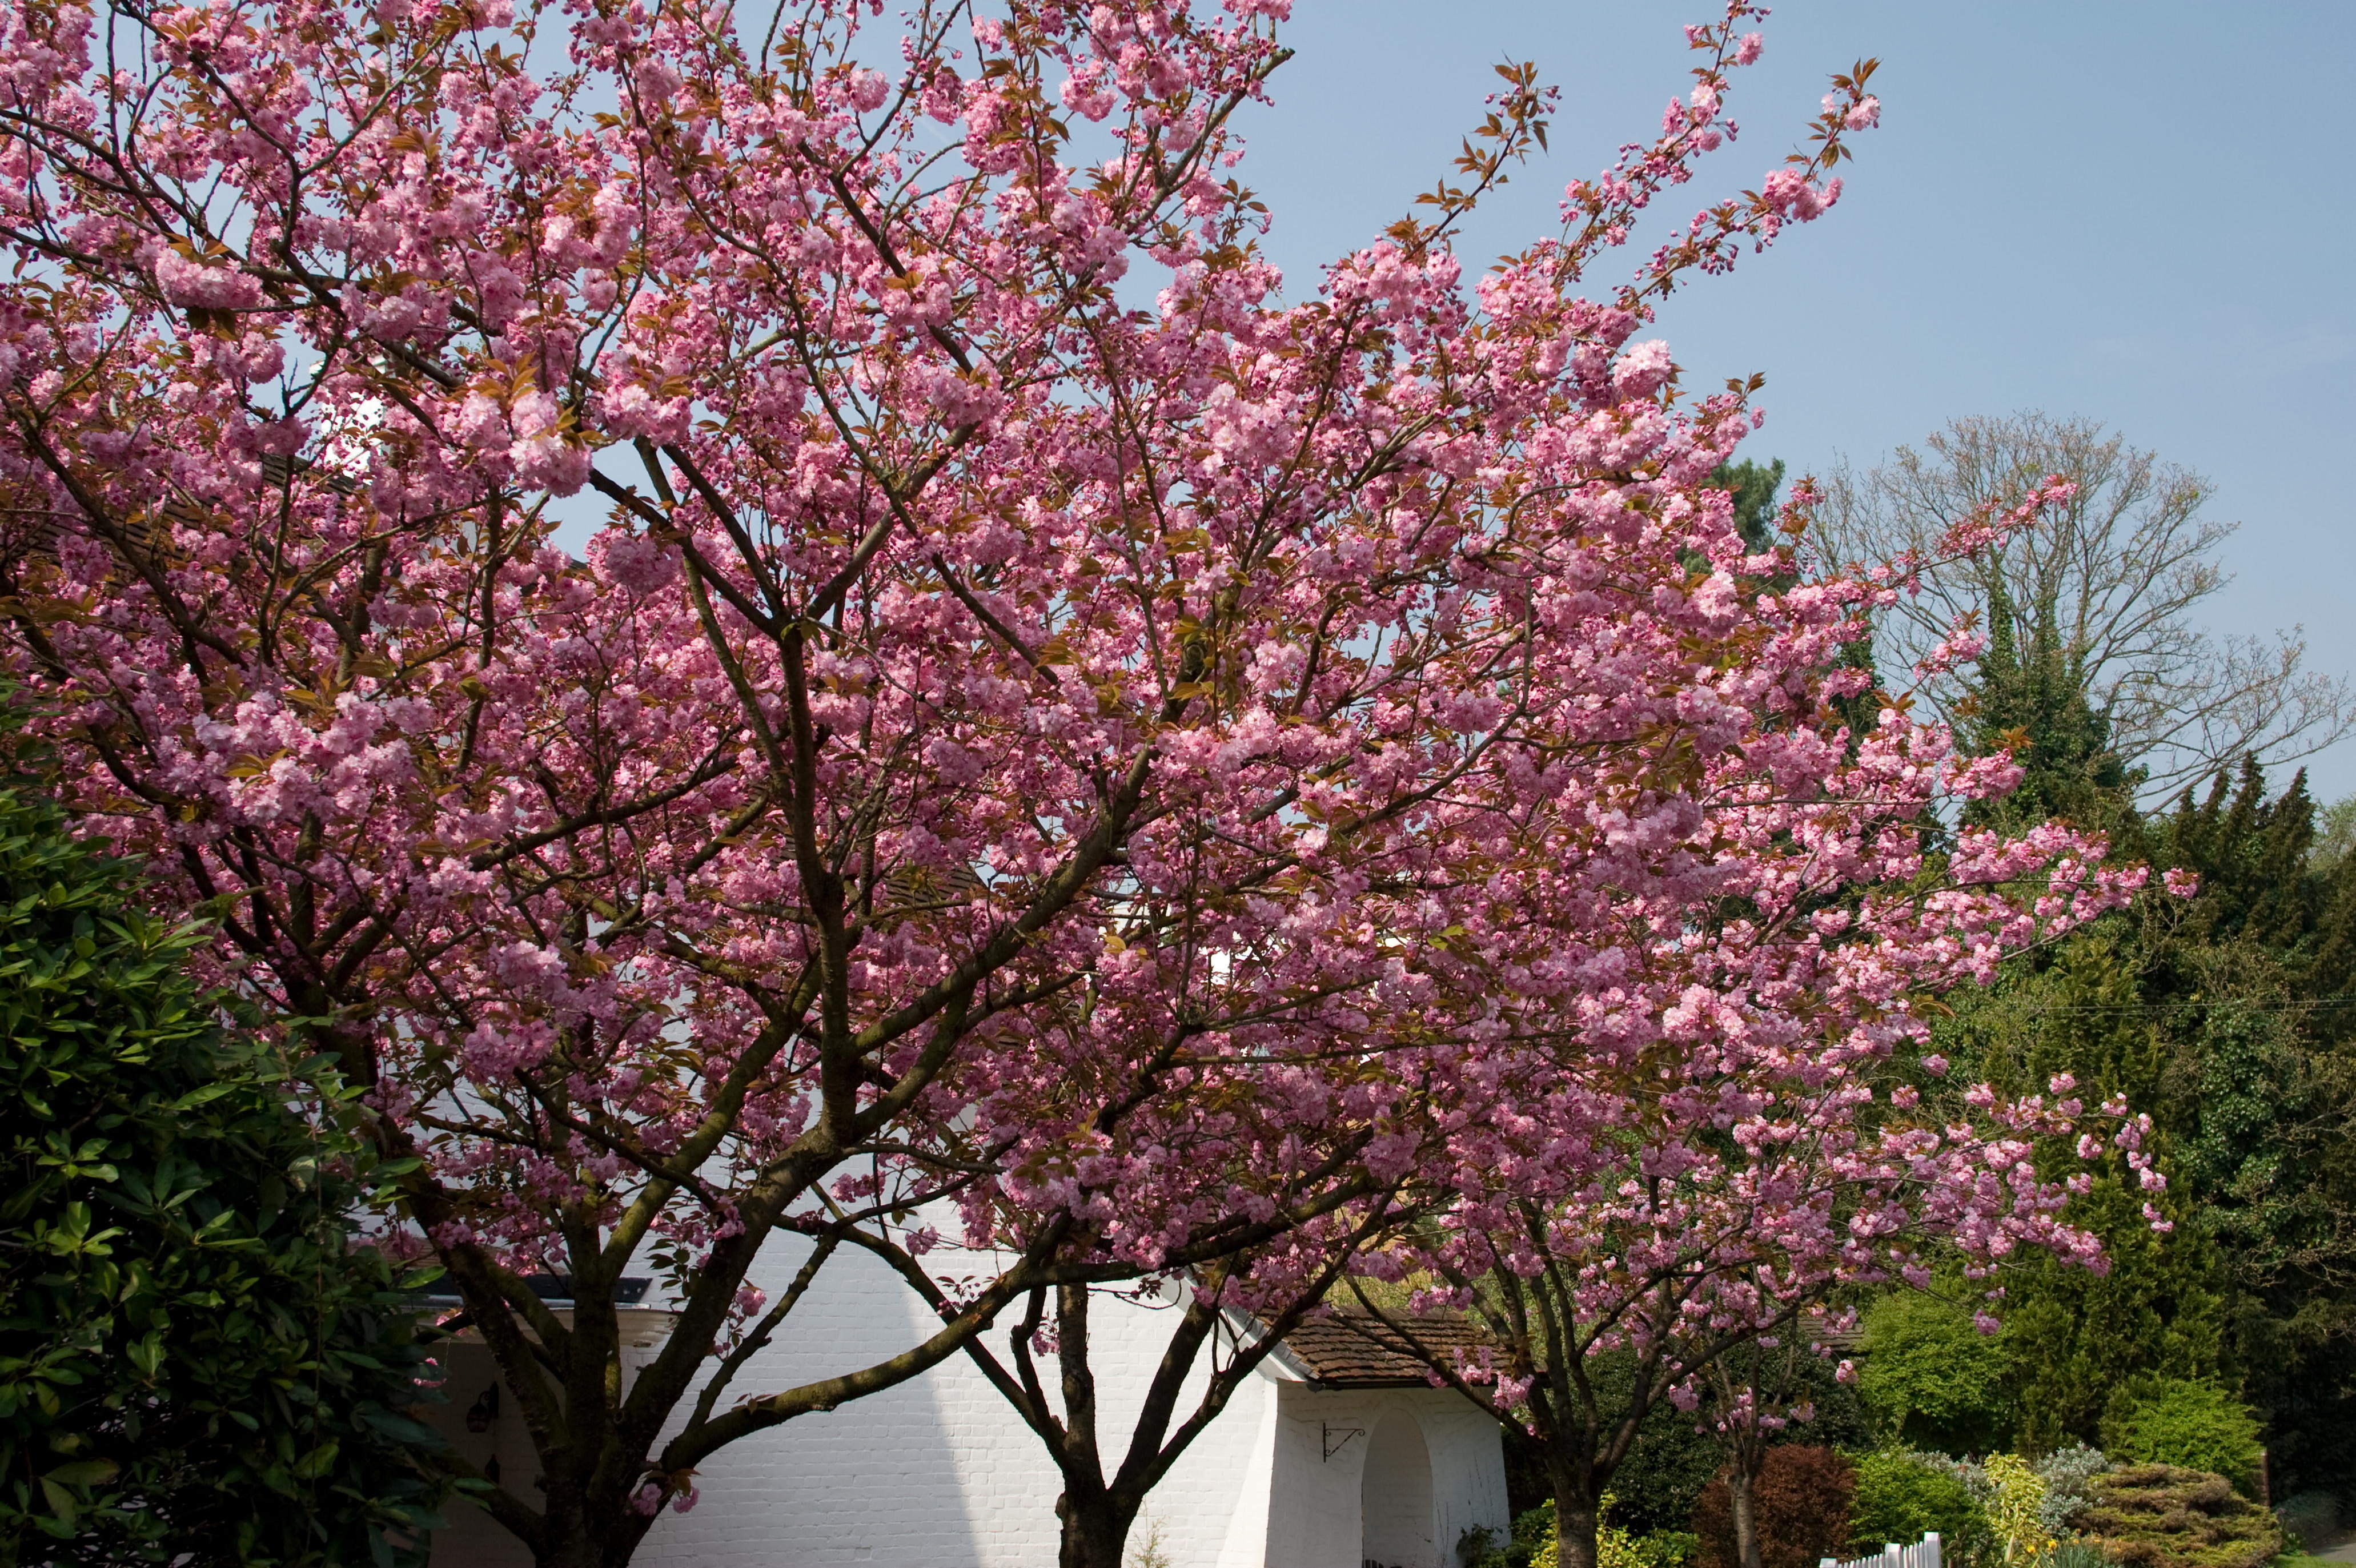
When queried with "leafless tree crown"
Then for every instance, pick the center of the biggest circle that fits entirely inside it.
(2121, 569)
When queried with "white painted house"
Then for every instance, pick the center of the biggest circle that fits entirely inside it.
(1335, 1454)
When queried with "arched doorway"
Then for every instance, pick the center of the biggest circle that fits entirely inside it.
(1394, 1497)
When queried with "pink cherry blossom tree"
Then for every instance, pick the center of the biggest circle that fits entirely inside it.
(1691, 1250)
(1740, 1134)
(877, 794)
(1162, 776)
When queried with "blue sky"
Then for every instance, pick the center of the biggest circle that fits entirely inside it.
(2137, 213)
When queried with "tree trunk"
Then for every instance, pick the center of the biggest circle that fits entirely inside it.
(1094, 1531)
(1740, 1502)
(573, 1550)
(1575, 1523)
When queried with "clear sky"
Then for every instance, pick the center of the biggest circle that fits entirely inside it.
(2137, 213)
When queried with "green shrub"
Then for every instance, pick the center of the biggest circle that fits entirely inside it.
(1667, 1547)
(1477, 1547)
(2160, 1516)
(2193, 1425)
(197, 1365)
(1532, 1529)
(1932, 1379)
(1902, 1495)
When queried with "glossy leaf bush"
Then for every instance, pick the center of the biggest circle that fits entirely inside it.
(197, 1364)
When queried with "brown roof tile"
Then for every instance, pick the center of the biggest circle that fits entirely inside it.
(1349, 1348)
(1354, 1349)
(1817, 1328)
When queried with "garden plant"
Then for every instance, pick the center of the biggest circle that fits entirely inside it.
(196, 1360)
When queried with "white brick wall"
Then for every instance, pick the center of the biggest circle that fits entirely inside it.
(1316, 1523)
(939, 1473)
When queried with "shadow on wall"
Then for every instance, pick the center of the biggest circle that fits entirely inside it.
(875, 1483)
(1395, 1504)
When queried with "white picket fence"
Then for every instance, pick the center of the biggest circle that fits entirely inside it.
(1924, 1554)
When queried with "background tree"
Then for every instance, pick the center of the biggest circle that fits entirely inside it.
(198, 1362)
(2222, 1015)
(1759, 1396)
(1755, 487)
(2029, 701)
(2107, 588)
(2226, 1014)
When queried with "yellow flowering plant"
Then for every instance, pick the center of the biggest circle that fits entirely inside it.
(2015, 1506)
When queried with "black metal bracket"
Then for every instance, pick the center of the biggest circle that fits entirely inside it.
(1335, 1438)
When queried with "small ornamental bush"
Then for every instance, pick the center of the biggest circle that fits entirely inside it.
(1902, 1496)
(1800, 1504)
(2015, 1506)
(2194, 1425)
(2160, 1516)
(2068, 1473)
(1669, 1548)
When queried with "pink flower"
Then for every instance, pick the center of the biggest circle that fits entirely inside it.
(1642, 369)
(218, 287)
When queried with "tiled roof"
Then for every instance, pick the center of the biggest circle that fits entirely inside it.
(1817, 1327)
(1354, 1349)
(1349, 1348)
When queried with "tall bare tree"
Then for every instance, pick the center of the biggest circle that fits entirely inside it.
(2117, 579)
